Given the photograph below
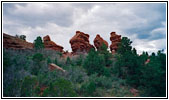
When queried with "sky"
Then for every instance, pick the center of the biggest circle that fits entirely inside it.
(143, 23)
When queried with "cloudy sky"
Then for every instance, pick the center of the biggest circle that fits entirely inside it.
(143, 23)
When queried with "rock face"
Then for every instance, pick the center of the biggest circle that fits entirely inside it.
(115, 40)
(53, 67)
(80, 42)
(48, 44)
(15, 43)
(99, 41)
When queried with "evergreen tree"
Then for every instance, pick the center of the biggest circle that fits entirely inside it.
(94, 63)
(106, 54)
(23, 37)
(38, 44)
(154, 75)
(127, 64)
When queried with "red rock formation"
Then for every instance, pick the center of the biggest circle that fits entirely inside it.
(80, 42)
(53, 67)
(135, 92)
(115, 40)
(15, 43)
(99, 41)
(51, 45)
(147, 61)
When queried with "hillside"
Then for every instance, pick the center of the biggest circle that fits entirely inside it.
(43, 69)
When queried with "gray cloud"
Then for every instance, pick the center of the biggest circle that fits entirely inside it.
(143, 23)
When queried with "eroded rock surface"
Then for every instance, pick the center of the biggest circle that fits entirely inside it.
(80, 42)
(99, 41)
(53, 67)
(48, 44)
(15, 43)
(115, 40)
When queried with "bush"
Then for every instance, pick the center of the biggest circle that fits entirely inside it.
(68, 61)
(37, 58)
(6, 60)
(60, 88)
(101, 81)
(88, 89)
(76, 74)
(28, 86)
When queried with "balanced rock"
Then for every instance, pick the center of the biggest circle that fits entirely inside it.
(80, 42)
(15, 43)
(48, 44)
(115, 40)
(99, 41)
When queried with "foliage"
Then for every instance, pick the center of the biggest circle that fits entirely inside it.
(127, 65)
(28, 86)
(61, 88)
(76, 74)
(68, 61)
(155, 82)
(101, 81)
(23, 37)
(25, 73)
(6, 60)
(38, 44)
(79, 61)
(37, 58)
(88, 88)
(106, 54)
(94, 63)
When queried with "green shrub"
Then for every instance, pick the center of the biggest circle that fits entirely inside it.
(101, 81)
(60, 88)
(38, 57)
(68, 61)
(76, 74)
(28, 86)
(6, 60)
(88, 89)
(49, 60)
(79, 60)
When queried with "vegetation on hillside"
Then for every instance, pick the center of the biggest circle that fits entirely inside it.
(99, 74)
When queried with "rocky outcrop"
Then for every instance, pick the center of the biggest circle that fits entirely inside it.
(48, 44)
(80, 42)
(147, 61)
(15, 43)
(99, 41)
(53, 67)
(115, 40)
(135, 92)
